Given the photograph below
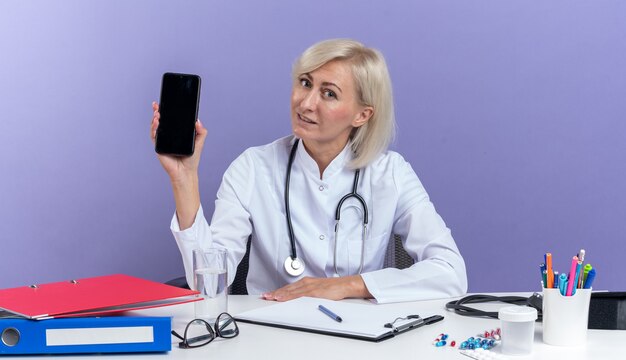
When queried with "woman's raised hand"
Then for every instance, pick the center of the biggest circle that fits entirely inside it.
(179, 168)
(183, 173)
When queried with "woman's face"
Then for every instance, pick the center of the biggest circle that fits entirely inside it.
(325, 106)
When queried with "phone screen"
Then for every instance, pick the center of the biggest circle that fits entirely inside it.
(178, 106)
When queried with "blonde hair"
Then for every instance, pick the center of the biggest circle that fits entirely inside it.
(373, 86)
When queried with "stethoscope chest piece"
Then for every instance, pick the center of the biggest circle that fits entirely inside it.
(294, 267)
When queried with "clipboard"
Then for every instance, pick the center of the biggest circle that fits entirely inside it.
(90, 296)
(359, 321)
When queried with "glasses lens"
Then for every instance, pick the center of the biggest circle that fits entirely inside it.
(226, 326)
(198, 333)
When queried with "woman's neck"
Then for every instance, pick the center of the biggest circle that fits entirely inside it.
(323, 154)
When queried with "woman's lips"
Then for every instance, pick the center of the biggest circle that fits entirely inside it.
(305, 119)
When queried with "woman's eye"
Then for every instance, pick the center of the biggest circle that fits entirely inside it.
(305, 82)
(330, 94)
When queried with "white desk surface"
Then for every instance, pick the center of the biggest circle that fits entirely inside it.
(263, 342)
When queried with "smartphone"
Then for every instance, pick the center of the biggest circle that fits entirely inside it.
(178, 106)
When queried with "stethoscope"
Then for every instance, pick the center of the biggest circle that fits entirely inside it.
(295, 266)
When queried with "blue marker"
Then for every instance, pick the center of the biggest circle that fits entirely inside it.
(556, 280)
(590, 276)
(563, 284)
(331, 314)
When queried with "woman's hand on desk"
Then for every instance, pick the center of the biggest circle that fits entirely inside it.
(327, 288)
(183, 173)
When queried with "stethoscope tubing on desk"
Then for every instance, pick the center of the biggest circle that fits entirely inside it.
(458, 307)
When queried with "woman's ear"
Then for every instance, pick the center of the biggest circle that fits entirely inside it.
(363, 116)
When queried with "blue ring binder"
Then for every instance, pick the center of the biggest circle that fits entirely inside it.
(115, 334)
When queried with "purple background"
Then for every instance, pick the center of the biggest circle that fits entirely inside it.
(511, 112)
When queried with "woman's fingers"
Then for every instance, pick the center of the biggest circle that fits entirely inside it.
(201, 133)
(156, 116)
(153, 128)
(328, 288)
(307, 286)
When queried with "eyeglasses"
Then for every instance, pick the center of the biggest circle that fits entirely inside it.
(199, 332)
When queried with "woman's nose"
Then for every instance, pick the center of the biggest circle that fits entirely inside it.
(309, 100)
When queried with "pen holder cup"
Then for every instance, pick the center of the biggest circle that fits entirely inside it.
(211, 280)
(565, 317)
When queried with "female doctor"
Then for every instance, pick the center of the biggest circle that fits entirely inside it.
(322, 204)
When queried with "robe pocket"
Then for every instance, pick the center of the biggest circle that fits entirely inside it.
(375, 250)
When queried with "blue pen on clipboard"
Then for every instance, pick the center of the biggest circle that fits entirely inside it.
(330, 314)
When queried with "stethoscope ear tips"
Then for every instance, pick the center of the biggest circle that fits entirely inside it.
(294, 267)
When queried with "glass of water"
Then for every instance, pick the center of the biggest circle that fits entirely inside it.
(211, 280)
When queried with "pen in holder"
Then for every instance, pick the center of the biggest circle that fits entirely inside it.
(565, 317)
